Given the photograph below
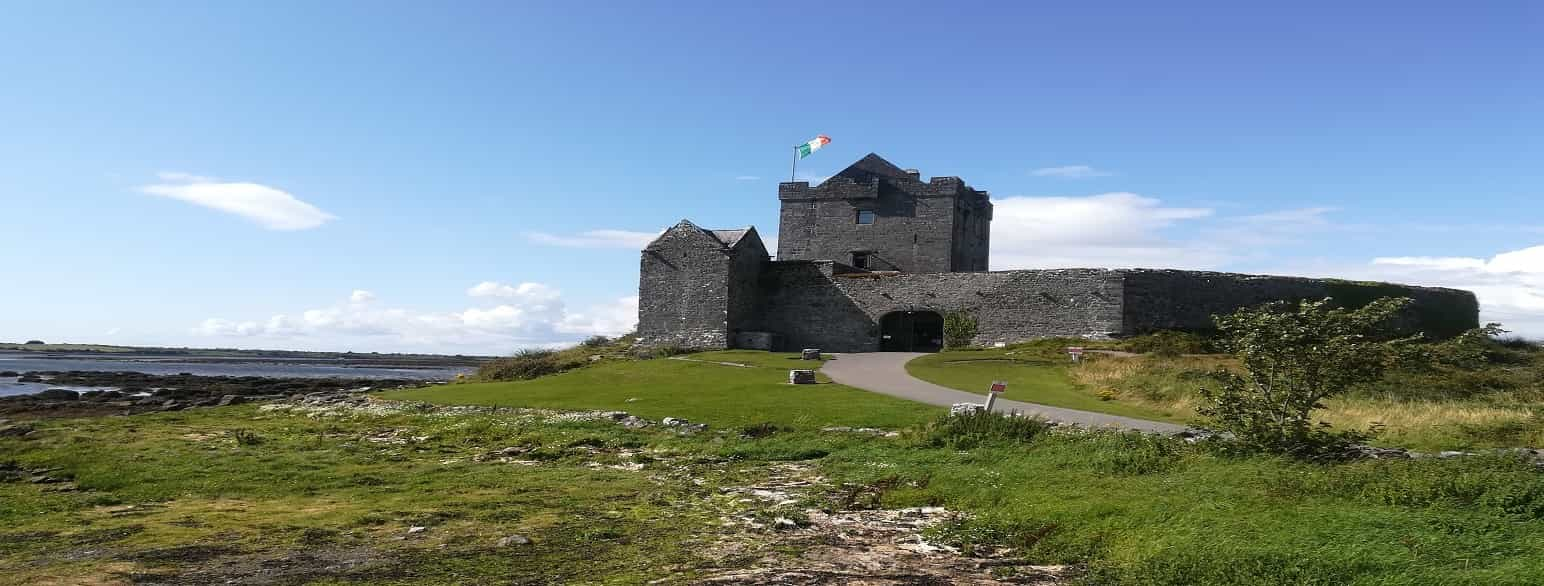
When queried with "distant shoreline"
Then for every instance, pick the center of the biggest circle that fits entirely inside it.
(236, 356)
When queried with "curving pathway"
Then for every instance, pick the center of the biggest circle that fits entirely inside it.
(885, 372)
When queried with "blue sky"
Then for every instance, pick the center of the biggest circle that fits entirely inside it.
(476, 177)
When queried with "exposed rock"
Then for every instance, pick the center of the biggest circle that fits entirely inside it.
(17, 430)
(810, 354)
(801, 377)
(416, 529)
(514, 540)
(231, 400)
(57, 395)
(9, 373)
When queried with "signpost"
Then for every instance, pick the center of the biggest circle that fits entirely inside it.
(1076, 352)
(991, 397)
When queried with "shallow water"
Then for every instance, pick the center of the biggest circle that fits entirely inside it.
(9, 386)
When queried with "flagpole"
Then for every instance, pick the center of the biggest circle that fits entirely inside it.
(795, 171)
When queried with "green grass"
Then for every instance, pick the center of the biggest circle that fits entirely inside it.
(697, 391)
(1031, 377)
(1131, 509)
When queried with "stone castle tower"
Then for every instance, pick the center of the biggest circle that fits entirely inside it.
(875, 216)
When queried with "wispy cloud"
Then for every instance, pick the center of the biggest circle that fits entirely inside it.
(596, 239)
(269, 207)
(1070, 172)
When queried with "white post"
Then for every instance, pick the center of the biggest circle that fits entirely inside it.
(990, 398)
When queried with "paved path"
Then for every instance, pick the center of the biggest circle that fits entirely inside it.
(885, 372)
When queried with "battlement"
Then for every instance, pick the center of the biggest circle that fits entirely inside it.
(876, 216)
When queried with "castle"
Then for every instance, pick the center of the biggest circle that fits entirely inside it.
(872, 258)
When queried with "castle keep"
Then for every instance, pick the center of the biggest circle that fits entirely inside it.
(872, 258)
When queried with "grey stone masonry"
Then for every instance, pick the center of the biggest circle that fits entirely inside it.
(923, 247)
(941, 225)
(694, 283)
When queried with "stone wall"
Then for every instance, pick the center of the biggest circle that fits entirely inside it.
(812, 306)
(817, 304)
(1187, 300)
(746, 261)
(684, 290)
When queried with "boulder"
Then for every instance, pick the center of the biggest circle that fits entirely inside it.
(16, 430)
(801, 377)
(57, 395)
(231, 400)
(809, 354)
(9, 373)
(514, 540)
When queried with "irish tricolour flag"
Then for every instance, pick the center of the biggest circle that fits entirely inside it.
(812, 146)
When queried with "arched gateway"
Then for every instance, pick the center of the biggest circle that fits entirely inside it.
(911, 331)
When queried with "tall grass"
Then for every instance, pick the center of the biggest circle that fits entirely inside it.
(1500, 403)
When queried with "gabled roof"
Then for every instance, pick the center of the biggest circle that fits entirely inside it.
(729, 237)
(725, 238)
(869, 167)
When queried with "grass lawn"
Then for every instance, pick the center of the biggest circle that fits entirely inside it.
(698, 391)
(211, 495)
(1030, 377)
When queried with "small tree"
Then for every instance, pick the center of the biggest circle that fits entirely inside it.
(959, 329)
(1295, 357)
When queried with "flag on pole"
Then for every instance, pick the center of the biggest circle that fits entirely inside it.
(812, 146)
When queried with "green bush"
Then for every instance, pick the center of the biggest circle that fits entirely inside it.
(959, 329)
(528, 364)
(969, 430)
(1169, 343)
(661, 351)
(1295, 356)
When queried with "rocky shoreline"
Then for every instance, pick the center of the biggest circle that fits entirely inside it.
(129, 393)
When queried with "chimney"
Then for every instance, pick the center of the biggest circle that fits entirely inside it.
(914, 174)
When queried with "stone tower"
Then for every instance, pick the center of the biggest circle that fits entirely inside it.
(875, 216)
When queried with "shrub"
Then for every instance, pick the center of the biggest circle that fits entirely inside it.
(1168, 343)
(1294, 358)
(661, 351)
(595, 342)
(959, 329)
(528, 364)
(246, 437)
(968, 430)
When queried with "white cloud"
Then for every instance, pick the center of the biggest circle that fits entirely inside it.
(361, 296)
(597, 239)
(747, 178)
(1070, 172)
(1510, 285)
(523, 315)
(267, 206)
(1105, 230)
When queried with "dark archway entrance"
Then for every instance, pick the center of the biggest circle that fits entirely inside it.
(911, 331)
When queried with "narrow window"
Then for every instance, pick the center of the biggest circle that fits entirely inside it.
(860, 260)
(865, 216)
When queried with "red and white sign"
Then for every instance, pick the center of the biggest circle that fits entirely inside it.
(999, 386)
(1075, 350)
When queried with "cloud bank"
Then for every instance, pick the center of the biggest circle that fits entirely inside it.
(513, 316)
(266, 206)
